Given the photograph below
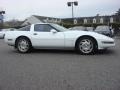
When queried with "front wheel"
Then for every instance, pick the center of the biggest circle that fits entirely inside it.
(23, 45)
(86, 45)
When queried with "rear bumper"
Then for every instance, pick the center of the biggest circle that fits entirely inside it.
(2, 36)
(10, 42)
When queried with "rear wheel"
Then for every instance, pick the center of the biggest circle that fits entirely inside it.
(23, 45)
(86, 45)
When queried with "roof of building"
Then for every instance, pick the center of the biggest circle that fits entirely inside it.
(43, 17)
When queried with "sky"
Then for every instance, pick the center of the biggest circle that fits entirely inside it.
(21, 9)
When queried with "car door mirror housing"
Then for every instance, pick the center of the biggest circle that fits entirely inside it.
(53, 31)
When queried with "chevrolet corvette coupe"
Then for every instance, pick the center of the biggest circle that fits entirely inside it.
(53, 36)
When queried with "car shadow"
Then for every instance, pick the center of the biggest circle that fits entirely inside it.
(105, 52)
(53, 51)
(71, 52)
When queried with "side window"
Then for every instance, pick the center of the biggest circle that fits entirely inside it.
(42, 28)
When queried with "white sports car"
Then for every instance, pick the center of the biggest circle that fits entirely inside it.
(53, 36)
(2, 33)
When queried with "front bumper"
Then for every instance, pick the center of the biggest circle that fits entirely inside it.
(106, 44)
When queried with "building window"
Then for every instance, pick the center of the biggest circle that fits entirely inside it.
(111, 20)
(59, 21)
(85, 21)
(101, 20)
(56, 21)
(75, 21)
(94, 20)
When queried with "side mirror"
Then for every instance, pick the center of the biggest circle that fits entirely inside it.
(53, 31)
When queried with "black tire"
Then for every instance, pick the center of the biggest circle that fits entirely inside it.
(23, 45)
(83, 46)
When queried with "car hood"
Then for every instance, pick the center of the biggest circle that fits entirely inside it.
(77, 33)
(80, 32)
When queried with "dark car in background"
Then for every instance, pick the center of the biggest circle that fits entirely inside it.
(105, 30)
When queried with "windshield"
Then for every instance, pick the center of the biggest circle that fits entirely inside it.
(59, 28)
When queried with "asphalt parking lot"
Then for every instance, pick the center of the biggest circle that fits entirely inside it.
(59, 70)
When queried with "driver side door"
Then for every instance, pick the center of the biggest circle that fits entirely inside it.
(43, 37)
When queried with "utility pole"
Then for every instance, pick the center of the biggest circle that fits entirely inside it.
(72, 4)
(1, 18)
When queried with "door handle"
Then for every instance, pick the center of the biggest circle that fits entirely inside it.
(35, 34)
